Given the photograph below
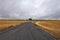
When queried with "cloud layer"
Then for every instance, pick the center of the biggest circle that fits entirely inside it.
(24, 9)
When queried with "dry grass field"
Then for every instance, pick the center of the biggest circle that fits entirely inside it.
(52, 27)
(4, 24)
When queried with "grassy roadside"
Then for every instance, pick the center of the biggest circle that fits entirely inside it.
(51, 26)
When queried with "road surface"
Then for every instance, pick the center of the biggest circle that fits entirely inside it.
(25, 31)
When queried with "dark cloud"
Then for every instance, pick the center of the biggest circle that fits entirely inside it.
(24, 9)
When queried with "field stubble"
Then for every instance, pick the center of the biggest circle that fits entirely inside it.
(52, 27)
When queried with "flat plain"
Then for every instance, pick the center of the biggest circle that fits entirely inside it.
(50, 26)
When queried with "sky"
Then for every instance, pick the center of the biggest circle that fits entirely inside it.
(25, 9)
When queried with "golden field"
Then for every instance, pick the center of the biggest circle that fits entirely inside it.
(4, 24)
(52, 27)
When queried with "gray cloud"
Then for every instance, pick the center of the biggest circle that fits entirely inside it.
(24, 9)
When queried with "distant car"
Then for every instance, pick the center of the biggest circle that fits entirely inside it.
(30, 18)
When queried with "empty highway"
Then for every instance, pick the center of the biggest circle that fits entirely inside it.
(25, 31)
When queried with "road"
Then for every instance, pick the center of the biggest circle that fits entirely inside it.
(25, 31)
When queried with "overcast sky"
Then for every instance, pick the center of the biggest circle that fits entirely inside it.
(35, 9)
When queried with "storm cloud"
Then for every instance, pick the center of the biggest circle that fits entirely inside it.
(35, 9)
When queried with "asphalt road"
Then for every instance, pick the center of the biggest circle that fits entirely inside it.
(25, 31)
